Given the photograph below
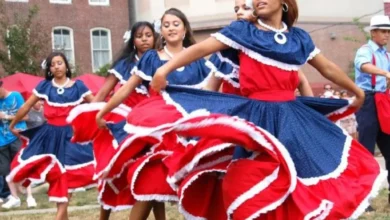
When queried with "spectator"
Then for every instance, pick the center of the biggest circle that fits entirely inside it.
(372, 64)
(10, 102)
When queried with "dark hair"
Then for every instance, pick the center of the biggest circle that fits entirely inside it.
(50, 76)
(189, 39)
(129, 51)
(291, 16)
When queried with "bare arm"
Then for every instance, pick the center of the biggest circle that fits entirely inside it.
(333, 73)
(304, 86)
(371, 69)
(120, 95)
(89, 98)
(108, 86)
(22, 112)
(191, 54)
(213, 84)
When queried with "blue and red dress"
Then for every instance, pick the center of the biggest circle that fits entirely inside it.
(194, 75)
(228, 72)
(49, 154)
(300, 165)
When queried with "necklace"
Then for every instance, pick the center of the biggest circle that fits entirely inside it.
(60, 88)
(171, 56)
(279, 37)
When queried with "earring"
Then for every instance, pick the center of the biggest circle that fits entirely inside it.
(285, 7)
(162, 40)
(50, 74)
(184, 36)
(254, 14)
(134, 47)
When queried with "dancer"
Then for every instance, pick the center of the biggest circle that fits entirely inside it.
(49, 155)
(301, 163)
(228, 72)
(176, 35)
(142, 38)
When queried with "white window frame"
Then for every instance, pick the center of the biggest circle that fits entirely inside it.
(107, 3)
(109, 44)
(16, 0)
(71, 41)
(66, 2)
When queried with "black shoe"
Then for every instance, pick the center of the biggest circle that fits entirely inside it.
(370, 209)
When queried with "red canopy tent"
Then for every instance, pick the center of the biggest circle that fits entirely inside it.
(92, 81)
(21, 82)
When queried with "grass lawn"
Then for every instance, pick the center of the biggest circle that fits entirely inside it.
(89, 198)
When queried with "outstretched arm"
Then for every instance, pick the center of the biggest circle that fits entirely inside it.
(118, 98)
(187, 56)
(107, 87)
(22, 112)
(333, 73)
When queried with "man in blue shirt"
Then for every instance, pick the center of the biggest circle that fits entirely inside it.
(372, 61)
(10, 102)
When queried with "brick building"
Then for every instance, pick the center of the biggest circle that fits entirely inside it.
(89, 32)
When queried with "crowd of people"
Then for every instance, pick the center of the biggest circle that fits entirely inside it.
(225, 137)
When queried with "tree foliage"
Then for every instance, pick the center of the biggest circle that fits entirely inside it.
(23, 42)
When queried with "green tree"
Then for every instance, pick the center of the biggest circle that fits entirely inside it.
(23, 42)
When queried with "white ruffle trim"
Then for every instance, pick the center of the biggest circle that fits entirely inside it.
(341, 110)
(141, 90)
(23, 163)
(256, 189)
(82, 189)
(184, 212)
(179, 175)
(58, 199)
(374, 193)
(228, 78)
(321, 212)
(259, 57)
(54, 104)
(141, 74)
(121, 110)
(225, 59)
(150, 197)
(338, 171)
(110, 207)
(117, 75)
(80, 166)
(314, 53)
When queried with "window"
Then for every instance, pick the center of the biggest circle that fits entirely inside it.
(62, 38)
(99, 2)
(101, 47)
(61, 1)
(16, 0)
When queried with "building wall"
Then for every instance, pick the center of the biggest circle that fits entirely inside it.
(81, 18)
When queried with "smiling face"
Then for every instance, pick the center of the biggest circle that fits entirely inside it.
(143, 39)
(172, 29)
